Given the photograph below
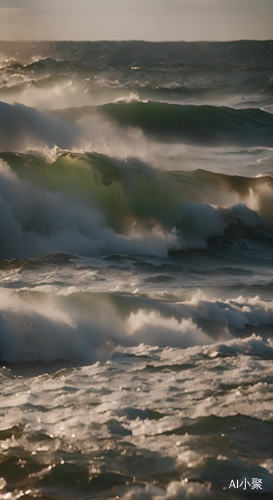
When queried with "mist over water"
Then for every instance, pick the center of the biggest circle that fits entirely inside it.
(136, 238)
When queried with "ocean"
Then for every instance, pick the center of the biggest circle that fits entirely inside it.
(136, 284)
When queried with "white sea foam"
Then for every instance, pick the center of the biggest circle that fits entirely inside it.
(176, 490)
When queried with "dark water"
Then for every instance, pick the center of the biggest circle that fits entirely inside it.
(136, 239)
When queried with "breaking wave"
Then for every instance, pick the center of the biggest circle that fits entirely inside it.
(84, 327)
(93, 204)
(22, 127)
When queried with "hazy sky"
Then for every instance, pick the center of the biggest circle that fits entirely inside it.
(136, 19)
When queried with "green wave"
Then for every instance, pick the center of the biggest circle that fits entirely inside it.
(127, 191)
(195, 124)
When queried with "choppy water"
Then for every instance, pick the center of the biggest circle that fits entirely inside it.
(136, 239)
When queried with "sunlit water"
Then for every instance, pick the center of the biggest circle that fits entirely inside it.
(136, 239)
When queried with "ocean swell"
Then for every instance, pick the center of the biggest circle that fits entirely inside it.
(195, 124)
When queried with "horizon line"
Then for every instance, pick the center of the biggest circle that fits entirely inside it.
(134, 40)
